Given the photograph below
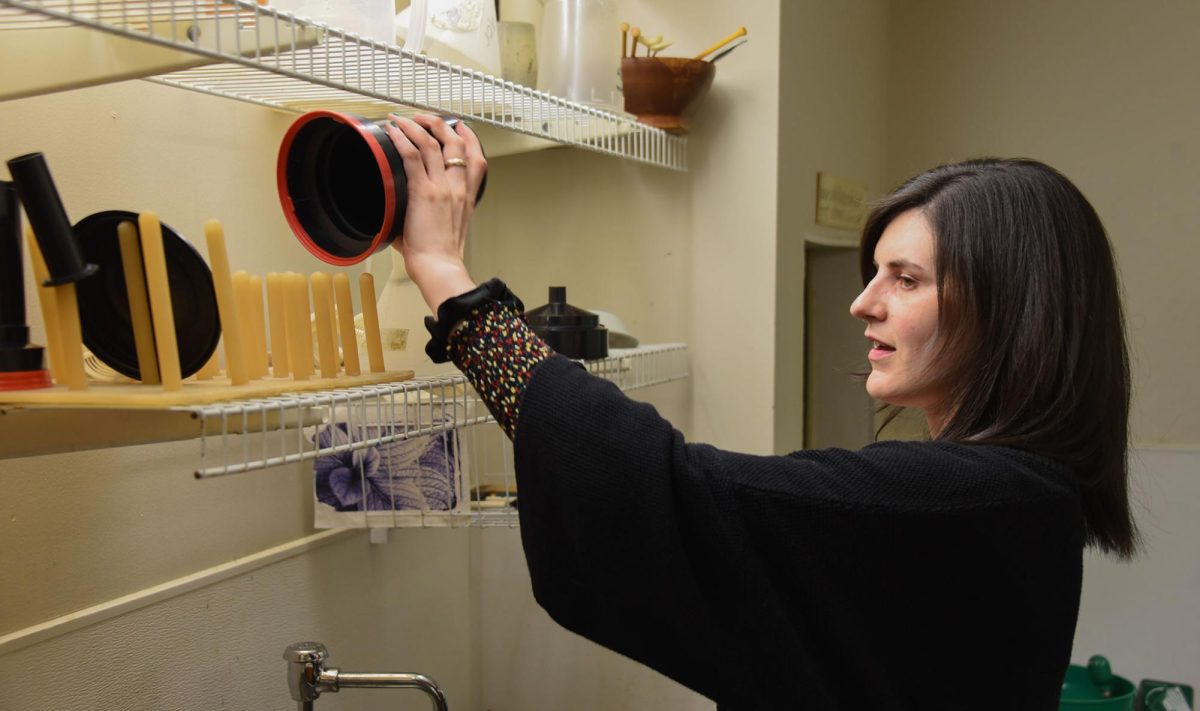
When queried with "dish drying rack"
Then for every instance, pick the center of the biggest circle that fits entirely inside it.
(248, 52)
(245, 436)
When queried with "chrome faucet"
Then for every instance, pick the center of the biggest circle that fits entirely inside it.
(308, 677)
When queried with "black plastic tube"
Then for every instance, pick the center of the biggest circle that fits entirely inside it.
(22, 366)
(50, 224)
(13, 330)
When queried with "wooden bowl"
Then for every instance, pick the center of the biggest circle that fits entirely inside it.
(665, 91)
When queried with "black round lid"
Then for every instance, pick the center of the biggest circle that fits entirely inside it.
(567, 329)
(558, 313)
(104, 303)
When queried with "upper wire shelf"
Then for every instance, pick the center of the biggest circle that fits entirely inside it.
(266, 56)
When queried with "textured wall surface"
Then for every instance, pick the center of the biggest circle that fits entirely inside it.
(1142, 614)
(1101, 91)
(403, 606)
(1096, 89)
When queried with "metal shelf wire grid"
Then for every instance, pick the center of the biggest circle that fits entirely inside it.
(355, 433)
(272, 59)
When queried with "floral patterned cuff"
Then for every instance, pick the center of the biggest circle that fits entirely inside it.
(497, 352)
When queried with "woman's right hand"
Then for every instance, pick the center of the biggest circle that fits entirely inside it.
(444, 167)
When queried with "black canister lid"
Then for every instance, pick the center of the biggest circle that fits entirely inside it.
(104, 312)
(571, 331)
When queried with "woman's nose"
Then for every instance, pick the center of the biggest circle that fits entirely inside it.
(866, 306)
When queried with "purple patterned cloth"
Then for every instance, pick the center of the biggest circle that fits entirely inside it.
(416, 474)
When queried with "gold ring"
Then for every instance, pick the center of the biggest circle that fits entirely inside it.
(456, 162)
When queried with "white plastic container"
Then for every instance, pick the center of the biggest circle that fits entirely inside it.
(402, 312)
(579, 52)
(374, 19)
(457, 31)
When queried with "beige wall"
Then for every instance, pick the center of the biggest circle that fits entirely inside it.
(616, 235)
(731, 296)
(832, 92)
(680, 256)
(1104, 91)
(84, 529)
(89, 526)
(866, 90)
(396, 607)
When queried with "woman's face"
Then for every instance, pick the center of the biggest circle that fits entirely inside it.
(900, 308)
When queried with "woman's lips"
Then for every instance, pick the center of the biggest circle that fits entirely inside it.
(879, 350)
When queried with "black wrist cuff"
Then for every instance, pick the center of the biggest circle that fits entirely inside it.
(456, 309)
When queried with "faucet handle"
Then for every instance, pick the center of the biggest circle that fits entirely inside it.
(305, 652)
(306, 662)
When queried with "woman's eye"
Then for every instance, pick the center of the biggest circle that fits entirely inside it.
(907, 282)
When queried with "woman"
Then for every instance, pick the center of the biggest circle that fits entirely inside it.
(907, 575)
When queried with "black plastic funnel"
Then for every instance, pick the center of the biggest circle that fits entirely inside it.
(22, 366)
(342, 185)
(49, 220)
(570, 331)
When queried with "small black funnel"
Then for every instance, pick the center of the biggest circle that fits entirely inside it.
(22, 366)
(570, 331)
(49, 220)
(342, 185)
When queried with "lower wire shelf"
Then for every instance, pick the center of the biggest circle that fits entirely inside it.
(417, 453)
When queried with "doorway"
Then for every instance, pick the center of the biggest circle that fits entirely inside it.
(837, 410)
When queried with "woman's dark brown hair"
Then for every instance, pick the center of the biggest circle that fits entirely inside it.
(1032, 336)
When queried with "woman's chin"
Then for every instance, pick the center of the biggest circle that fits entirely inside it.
(877, 388)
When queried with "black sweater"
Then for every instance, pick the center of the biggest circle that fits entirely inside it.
(907, 575)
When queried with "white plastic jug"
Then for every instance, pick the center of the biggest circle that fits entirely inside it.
(402, 312)
(457, 31)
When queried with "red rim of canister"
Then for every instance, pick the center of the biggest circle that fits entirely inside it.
(385, 174)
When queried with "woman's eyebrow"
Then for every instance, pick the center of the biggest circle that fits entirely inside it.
(905, 264)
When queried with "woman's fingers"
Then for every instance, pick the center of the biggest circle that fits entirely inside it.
(431, 150)
(445, 167)
(452, 143)
(414, 166)
(445, 149)
(432, 231)
(453, 153)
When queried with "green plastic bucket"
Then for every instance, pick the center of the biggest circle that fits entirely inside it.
(1096, 688)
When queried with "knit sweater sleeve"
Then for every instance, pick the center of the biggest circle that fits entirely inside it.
(819, 580)
(497, 352)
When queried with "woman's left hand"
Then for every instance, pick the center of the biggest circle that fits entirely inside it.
(444, 167)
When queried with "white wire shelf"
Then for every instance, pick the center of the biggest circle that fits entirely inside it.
(418, 453)
(265, 56)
